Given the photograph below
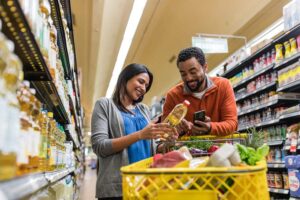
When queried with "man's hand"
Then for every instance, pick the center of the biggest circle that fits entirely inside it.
(184, 127)
(202, 128)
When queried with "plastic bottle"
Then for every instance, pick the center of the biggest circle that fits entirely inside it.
(43, 121)
(178, 113)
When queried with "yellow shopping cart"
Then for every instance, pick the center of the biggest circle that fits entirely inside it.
(205, 183)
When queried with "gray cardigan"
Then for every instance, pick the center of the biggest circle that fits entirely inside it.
(107, 123)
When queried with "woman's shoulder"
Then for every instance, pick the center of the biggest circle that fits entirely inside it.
(103, 102)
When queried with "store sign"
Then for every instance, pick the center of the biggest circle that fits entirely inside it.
(210, 44)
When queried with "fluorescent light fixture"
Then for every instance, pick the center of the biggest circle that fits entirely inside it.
(134, 19)
(210, 44)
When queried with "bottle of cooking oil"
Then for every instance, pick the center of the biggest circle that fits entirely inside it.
(10, 70)
(43, 121)
(36, 129)
(52, 142)
(25, 122)
(177, 114)
(6, 160)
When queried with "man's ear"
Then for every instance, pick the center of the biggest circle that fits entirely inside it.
(205, 68)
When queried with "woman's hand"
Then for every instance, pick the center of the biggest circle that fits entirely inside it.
(154, 131)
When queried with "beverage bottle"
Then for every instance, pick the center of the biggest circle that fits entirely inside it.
(177, 114)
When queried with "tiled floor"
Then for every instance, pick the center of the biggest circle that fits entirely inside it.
(87, 191)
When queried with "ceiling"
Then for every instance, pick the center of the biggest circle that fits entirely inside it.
(165, 28)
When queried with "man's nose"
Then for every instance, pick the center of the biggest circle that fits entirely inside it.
(188, 77)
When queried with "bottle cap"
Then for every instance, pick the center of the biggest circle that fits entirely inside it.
(50, 114)
(186, 102)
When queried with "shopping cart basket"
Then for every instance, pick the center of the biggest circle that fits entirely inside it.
(182, 182)
(205, 183)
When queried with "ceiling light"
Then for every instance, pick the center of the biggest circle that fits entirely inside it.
(134, 18)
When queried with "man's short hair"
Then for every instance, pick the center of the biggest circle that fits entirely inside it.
(190, 52)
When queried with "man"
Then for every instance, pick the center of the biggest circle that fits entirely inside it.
(214, 95)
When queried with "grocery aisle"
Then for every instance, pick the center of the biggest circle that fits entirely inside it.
(87, 190)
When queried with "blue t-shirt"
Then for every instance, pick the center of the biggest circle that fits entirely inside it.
(141, 149)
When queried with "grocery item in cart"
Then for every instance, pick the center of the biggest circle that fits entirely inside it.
(225, 156)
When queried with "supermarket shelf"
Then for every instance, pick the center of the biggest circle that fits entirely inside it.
(247, 61)
(73, 110)
(256, 108)
(259, 125)
(246, 80)
(17, 29)
(279, 191)
(21, 187)
(290, 115)
(294, 32)
(275, 143)
(62, 44)
(68, 15)
(268, 104)
(47, 93)
(57, 175)
(270, 85)
(293, 86)
(287, 61)
(70, 137)
(276, 165)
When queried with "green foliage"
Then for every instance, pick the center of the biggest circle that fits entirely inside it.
(256, 138)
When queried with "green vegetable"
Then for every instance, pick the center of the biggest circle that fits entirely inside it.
(251, 156)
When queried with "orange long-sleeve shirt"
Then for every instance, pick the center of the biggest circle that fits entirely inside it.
(218, 102)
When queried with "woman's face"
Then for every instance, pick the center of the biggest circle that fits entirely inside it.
(137, 85)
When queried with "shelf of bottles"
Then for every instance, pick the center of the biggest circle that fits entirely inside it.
(38, 149)
(16, 27)
(65, 45)
(267, 90)
(26, 185)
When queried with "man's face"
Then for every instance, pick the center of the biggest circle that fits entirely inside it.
(192, 74)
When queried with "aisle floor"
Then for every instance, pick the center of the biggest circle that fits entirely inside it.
(87, 191)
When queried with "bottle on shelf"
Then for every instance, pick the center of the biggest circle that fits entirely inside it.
(36, 130)
(52, 143)
(10, 77)
(43, 154)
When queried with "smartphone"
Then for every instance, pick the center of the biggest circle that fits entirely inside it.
(199, 116)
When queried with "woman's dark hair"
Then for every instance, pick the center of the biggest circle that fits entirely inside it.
(126, 74)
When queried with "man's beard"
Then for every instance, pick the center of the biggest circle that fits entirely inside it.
(195, 89)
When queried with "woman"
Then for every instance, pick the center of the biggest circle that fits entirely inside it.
(121, 129)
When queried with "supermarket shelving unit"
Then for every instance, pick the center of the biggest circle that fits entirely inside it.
(291, 87)
(17, 29)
